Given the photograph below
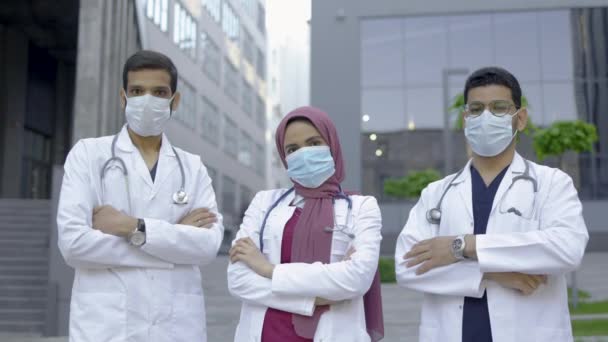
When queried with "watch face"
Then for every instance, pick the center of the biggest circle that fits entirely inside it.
(138, 238)
(457, 245)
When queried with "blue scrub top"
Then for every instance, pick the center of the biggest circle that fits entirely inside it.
(475, 315)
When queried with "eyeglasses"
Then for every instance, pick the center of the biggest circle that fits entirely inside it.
(497, 108)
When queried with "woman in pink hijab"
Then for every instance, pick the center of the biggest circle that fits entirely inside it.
(304, 262)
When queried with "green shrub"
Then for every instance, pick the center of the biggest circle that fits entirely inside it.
(412, 185)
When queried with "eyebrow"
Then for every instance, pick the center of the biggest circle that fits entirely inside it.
(313, 138)
(307, 141)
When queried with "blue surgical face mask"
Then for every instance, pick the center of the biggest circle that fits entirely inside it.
(311, 166)
(488, 134)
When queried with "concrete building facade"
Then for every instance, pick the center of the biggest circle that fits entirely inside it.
(387, 70)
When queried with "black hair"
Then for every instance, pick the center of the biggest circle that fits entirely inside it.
(299, 119)
(147, 59)
(494, 76)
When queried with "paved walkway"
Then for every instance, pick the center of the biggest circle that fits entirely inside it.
(401, 307)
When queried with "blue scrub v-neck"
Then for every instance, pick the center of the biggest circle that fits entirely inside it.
(475, 315)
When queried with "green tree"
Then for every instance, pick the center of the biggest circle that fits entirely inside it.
(563, 136)
(412, 185)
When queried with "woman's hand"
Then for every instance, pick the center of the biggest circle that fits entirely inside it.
(246, 251)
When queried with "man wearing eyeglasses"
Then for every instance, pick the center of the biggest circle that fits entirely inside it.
(490, 246)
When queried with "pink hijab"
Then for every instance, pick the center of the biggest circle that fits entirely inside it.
(311, 243)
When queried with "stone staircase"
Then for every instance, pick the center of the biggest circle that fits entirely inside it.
(24, 248)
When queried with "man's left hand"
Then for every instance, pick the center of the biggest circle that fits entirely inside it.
(431, 253)
(111, 221)
(246, 251)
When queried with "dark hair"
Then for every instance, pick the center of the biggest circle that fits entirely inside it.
(299, 119)
(146, 59)
(494, 76)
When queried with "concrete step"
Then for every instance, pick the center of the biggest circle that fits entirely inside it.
(24, 260)
(26, 243)
(15, 251)
(23, 234)
(27, 315)
(21, 327)
(22, 302)
(16, 269)
(12, 213)
(27, 218)
(23, 291)
(23, 280)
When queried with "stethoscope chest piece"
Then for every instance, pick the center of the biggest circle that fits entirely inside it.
(433, 216)
(180, 197)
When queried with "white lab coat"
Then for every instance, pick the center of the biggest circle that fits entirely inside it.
(294, 286)
(552, 243)
(125, 293)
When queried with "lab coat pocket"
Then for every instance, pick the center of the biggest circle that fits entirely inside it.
(339, 246)
(98, 317)
(189, 321)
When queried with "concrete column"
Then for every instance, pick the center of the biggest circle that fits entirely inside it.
(105, 40)
(14, 81)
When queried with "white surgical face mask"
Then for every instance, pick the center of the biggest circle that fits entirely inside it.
(147, 115)
(311, 166)
(488, 134)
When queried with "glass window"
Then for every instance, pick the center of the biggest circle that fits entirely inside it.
(260, 160)
(186, 112)
(230, 22)
(248, 49)
(261, 65)
(211, 58)
(245, 149)
(228, 195)
(214, 8)
(381, 53)
(157, 11)
(231, 133)
(260, 112)
(250, 7)
(210, 122)
(261, 18)
(231, 87)
(184, 30)
(247, 102)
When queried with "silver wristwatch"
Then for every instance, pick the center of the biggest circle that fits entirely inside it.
(137, 238)
(458, 245)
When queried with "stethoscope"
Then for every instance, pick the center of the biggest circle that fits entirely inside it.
(433, 216)
(337, 228)
(180, 197)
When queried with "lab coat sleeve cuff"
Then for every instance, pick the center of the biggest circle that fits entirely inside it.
(280, 285)
(279, 280)
(308, 306)
(478, 283)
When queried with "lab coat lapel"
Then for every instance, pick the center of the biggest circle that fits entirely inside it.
(167, 167)
(516, 167)
(464, 189)
(280, 215)
(131, 156)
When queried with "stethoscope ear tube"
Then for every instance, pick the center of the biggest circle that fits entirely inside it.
(180, 197)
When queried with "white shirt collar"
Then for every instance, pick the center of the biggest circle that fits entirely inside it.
(298, 201)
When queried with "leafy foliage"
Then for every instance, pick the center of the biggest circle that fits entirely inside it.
(563, 136)
(412, 185)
